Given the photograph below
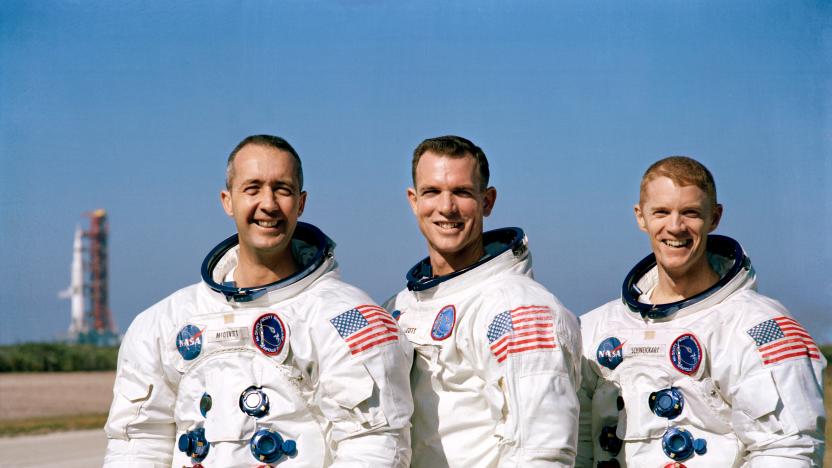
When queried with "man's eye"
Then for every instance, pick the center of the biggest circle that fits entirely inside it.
(250, 190)
(285, 191)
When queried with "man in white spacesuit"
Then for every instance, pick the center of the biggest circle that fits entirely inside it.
(497, 357)
(271, 359)
(692, 367)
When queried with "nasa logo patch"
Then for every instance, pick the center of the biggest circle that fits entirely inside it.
(269, 334)
(189, 342)
(686, 354)
(396, 314)
(610, 352)
(443, 324)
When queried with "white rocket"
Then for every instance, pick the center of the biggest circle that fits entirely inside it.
(75, 292)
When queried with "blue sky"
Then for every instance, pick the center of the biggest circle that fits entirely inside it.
(134, 106)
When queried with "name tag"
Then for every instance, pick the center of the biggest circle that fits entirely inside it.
(228, 335)
(645, 350)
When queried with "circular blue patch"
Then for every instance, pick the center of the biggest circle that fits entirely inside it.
(700, 446)
(189, 342)
(194, 444)
(396, 314)
(667, 403)
(610, 352)
(609, 441)
(443, 324)
(268, 446)
(686, 354)
(269, 334)
(254, 402)
(205, 404)
(677, 444)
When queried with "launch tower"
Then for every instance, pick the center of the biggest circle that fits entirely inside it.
(91, 321)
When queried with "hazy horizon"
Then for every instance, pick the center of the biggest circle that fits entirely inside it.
(134, 106)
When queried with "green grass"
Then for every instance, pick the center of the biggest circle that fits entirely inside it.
(57, 357)
(52, 424)
(827, 351)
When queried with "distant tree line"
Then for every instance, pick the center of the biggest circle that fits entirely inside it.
(63, 357)
(57, 357)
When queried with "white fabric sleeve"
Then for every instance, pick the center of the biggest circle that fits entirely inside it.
(585, 457)
(540, 389)
(777, 409)
(140, 427)
(367, 399)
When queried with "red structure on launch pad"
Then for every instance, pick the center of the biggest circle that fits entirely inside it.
(103, 327)
(91, 320)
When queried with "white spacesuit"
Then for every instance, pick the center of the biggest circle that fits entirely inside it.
(303, 372)
(725, 378)
(497, 363)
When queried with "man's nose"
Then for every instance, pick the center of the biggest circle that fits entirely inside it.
(676, 223)
(447, 204)
(268, 201)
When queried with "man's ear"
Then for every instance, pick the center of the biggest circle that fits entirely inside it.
(717, 217)
(411, 198)
(227, 205)
(301, 203)
(488, 200)
(642, 223)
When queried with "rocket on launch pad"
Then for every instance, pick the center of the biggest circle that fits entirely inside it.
(91, 321)
(75, 291)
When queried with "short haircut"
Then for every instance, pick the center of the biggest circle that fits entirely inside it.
(683, 171)
(269, 141)
(453, 147)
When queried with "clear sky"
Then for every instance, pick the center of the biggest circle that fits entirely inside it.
(134, 106)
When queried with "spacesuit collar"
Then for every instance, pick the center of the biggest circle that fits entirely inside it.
(727, 258)
(501, 245)
(311, 249)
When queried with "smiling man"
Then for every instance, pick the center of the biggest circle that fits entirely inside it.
(693, 367)
(497, 356)
(272, 358)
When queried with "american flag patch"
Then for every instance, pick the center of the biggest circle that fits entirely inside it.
(783, 338)
(523, 329)
(365, 327)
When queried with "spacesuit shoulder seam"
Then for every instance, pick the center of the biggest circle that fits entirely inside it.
(337, 299)
(393, 301)
(514, 290)
(594, 316)
(188, 293)
(754, 309)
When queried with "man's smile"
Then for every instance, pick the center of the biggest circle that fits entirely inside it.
(268, 223)
(677, 243)
(449, 224)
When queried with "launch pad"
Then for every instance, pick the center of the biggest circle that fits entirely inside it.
(91, 320)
